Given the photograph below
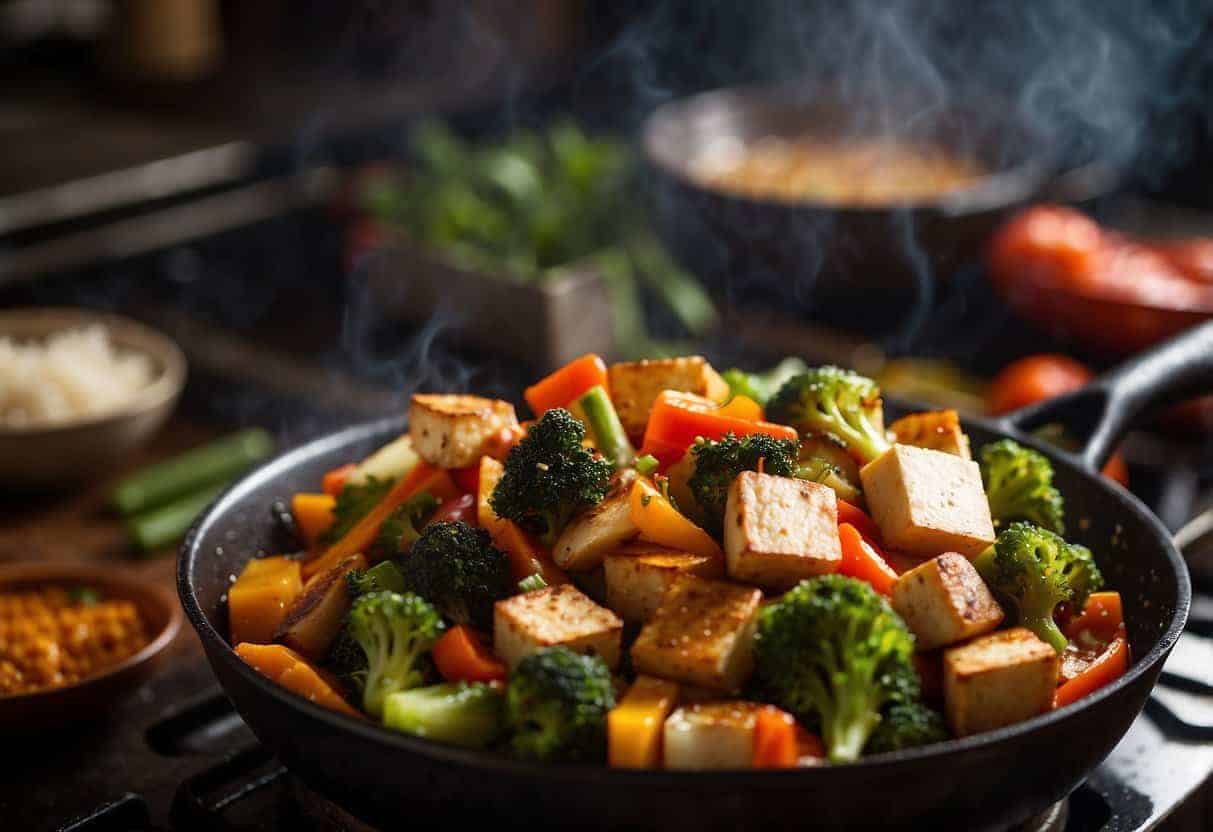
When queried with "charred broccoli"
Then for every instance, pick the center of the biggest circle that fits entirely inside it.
(717, 464)
(1019, 486)
(906, 725)
(556, 706)
(837, 403)
(395, 632)
(549, 476)
(833, 652)
(761, 386)
(347, 661)
(382, 576)
(456, 568)
(402, 527)
(1032, 570)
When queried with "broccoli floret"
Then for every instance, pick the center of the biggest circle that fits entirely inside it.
(906, 725)
(833, 652)
(395, 632)
(556, 706)
(1032, 570)
(761, 386)
(455, 712)
(820, 470)
(347, 661)
(382, 576)
(837, 403)
(456, 568)
(402, 527)
(549, 476)
(1019, 486)
(717, 464)
(353, 503)
(532, 583)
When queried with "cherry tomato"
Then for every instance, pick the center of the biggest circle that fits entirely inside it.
(1033, 379)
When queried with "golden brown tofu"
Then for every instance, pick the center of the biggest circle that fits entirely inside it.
(314, 619)
(702, 634)
(938, 430)
(635, 385)
(454, 431)
(711, 735)
(779, 530)
(596, 531)
(638, 575)
(998, 679)
(928, 502)
(944, 601)
(555, 616)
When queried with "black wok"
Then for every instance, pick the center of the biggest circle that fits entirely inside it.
(988, 781)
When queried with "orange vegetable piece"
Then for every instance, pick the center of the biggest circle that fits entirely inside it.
(1103, 616)
(775, 744)
(857, 517)
(423, 477)
(313, 515)
(810, 747)
(660, 522)
(527, 556)
(742, 407)
(270, 660)
(678, 419)
(863, 561)
(334, 481)
(258, 600)
(565, 386)
(1109, 667)
(635, 725)
(316, 686)
(460, 656)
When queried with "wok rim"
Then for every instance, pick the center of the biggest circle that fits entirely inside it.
(215, 644)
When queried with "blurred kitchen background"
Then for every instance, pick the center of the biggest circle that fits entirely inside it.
(331, 205)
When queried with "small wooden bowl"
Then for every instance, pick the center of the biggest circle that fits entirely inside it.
(41, 457)
(90, 697)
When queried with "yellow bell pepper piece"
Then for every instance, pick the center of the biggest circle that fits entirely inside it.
(257, 601)
(635, 725)
(660, 522)
(313, 515)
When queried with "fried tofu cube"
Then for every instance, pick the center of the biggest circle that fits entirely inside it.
(638, 575)
(635, 385)
(711, 735)
(598, 530)
(779, 530)
(702, 634)
(555, 616)
(998, 679)
(454, 431)
(938, 430)
(944, 601)
(927, 502)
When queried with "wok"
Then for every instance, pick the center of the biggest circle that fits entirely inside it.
(989, 781)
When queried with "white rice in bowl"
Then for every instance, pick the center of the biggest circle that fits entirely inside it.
(72, 375)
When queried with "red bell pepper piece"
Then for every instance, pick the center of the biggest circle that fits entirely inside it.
(862, 560)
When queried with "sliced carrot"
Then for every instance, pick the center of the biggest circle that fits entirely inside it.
(635, 725)
(862, 560)
(1103, 616)
(295, 673)
(258, 600)
(316, 686)
(775, 744)
(857, 517)
(563, 387)
(334, 481)
(527, 555)
(1109, 667)
(313, 515)
(678, 419)
(270, 660)
(423, 477)
(461, 657)
(660, 522)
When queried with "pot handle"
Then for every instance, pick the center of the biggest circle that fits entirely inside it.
(1104, 409)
